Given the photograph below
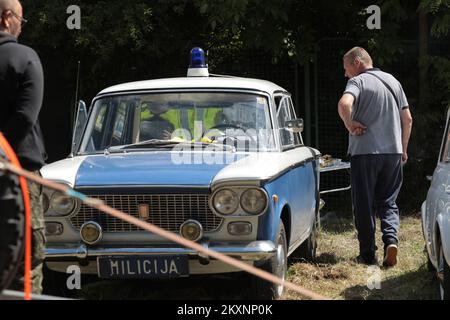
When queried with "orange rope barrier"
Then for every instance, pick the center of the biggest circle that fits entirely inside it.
(26, 201)
(98, 204)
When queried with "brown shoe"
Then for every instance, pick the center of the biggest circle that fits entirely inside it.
(390, 256)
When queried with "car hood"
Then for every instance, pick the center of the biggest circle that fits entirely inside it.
(147, 168)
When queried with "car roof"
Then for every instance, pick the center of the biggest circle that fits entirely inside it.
(197, 83)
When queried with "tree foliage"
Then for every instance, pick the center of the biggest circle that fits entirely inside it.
(142, 39)
(441, 10)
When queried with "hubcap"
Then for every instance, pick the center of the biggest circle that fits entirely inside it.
(281, 267)
(313, 243)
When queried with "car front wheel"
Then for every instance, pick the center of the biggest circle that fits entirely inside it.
(277, 265)
(443, 276)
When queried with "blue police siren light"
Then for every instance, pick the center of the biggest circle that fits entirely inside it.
(198, 66)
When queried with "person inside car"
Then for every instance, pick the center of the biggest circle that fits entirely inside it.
(159, 125)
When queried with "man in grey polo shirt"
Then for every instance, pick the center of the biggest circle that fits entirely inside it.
(375, 112)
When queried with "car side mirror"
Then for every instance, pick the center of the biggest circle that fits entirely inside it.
(80, 123)
(295, 125)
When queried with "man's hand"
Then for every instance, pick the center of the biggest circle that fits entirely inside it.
(406, 119)
(404, 157)
(166, 135)
(345, 110)
(356, 128)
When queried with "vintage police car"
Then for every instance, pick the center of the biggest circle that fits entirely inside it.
(436, 217)
(219, 160)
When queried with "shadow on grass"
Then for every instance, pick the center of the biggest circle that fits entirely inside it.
(328, 258)
(230, 287)
(325, 258)
(337, 225)
(417, 285)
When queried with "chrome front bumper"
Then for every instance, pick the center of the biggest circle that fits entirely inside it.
(249, 251)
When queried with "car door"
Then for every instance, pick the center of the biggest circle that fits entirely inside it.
(300, 196)
(438, 195)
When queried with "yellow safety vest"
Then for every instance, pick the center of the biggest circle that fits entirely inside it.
(207, 117)
(187, 119)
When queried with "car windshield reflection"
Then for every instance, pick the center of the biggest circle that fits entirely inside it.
(239, 120)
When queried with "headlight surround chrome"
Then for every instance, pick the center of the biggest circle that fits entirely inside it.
(61, 204)
(225, 201)
(91, 232)
(253, 201)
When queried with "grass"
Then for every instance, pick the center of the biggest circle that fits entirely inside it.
(338, 276)
(335, 273)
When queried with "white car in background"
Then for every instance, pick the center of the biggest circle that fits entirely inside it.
(436, 217)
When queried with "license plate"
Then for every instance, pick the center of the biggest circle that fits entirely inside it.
(137, 267)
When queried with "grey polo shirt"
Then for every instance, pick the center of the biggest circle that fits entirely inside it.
(376, 108)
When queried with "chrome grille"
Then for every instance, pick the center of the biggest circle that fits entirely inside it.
(166, 211)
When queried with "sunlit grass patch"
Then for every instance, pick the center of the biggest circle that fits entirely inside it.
(337, 275)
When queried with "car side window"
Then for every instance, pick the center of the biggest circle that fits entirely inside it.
(298, 141)
(283, 115)
(100, 122)
(277, 101)
(119, 125)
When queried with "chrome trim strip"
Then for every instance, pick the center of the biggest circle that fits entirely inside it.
(250, 251)
(143, 189)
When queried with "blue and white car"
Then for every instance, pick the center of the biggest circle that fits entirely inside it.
(219, 160)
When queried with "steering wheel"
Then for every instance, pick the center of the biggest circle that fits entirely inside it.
(228, 125)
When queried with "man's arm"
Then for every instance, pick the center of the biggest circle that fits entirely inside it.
(28, 103)
(345, 106)
(406, 119)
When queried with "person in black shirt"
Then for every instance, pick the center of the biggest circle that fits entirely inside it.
(21, 94)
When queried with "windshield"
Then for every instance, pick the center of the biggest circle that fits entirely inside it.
(238, 119)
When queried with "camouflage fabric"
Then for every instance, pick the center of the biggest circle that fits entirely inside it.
(38, 241)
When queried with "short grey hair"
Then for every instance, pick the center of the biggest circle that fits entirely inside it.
(358, 53)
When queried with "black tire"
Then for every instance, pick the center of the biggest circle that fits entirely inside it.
(277, 265)
(430, 266)
(443, 276)
(12, 226)
(308, 249)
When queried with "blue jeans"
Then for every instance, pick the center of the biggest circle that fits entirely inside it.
(376, 181)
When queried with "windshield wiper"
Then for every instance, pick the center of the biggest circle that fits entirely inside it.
(153, 143)
(157, 143)
(224, 147)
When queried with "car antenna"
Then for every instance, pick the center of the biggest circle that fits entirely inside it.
(78, 83)
(76, 94)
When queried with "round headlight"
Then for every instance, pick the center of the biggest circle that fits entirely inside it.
(225, 202)
(253, 201)
(191, 230)
(91, 232)
(62, 204)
